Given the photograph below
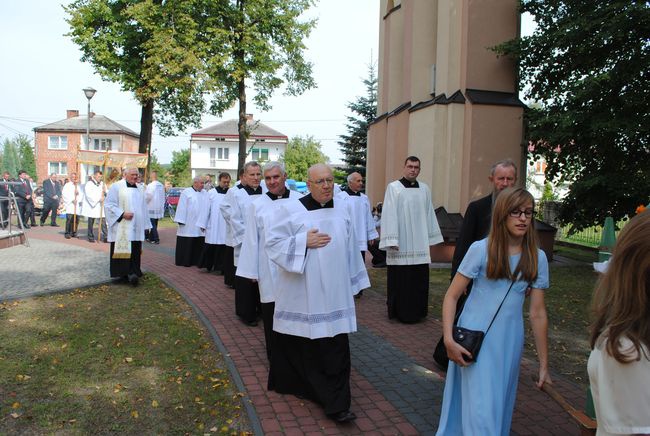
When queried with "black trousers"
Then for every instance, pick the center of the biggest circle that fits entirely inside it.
(4, 207)
(71, 224)
(126, 267)
(407, 289)
(22, 211)
(153, 232)
(91, 230)
(318, 369)
(49, 206)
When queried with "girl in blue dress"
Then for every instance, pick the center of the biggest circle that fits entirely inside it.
(479, 397)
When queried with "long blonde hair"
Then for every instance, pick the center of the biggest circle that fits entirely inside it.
(498, 263)
(621, 302)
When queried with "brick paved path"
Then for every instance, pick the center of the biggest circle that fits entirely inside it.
(395, 387)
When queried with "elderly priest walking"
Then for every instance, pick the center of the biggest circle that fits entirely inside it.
(320, 270)
(127, 219)
(190, 238)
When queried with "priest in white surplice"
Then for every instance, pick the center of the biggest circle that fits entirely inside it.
(215, 227)
(313, 243)
(72, 198)
(408, 227)
(189, 236)
(155, 196)
(235, 211)
(93, 205)
(253, 261)
(127, 219)
(364, 224)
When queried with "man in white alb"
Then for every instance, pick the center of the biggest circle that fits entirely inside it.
(189, 236)
(313, 243)
(253, 261)
(155, 196)
(215, 227)
(72, 197)
(93, 207)
(127, 219)
(408, 227)
(235, 211)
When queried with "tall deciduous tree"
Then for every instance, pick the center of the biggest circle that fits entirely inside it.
(354, 144)
(588, 64)
(180, 168)
(26, 156)
(264, 48)
(153, 49)
(10, 158)
(300, 154)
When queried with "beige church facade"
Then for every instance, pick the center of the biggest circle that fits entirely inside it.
(445, 96)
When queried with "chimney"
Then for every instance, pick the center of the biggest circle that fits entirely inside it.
(71, 113)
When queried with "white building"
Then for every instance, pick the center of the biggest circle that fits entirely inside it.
(215, 149)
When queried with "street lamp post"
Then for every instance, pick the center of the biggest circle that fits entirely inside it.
(90, 93)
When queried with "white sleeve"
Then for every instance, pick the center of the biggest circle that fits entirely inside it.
(286, 244)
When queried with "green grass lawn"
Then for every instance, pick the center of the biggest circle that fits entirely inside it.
(112, 359)
(567, 302)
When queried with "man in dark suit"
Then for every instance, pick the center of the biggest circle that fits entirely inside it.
(51, 197)
(4, 204)
(23, 193)
(476, 224)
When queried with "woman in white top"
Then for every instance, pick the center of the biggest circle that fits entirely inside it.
(619, 364)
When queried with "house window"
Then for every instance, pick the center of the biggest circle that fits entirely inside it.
(260, 154)
(102, 144)
(60, 168)
(222, 153)
(213, 157)
(57, 142)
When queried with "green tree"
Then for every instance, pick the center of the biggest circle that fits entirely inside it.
(10, 158)
(154, 165)
(587, 65)
(180, 168)
(26, 155)
(354, 144)
(265, 47)
(301, 153)
(154, 49)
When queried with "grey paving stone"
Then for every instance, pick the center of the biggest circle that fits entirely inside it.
(46, 267)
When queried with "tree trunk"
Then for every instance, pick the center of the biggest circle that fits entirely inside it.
(146, 127)
(241, 125)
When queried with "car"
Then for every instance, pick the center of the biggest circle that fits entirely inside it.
(172, 197)
(38, 200)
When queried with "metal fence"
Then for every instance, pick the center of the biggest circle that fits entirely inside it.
(590, 236)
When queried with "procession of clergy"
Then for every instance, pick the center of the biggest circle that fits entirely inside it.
(295, 261)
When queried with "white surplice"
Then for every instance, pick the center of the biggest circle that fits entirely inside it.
(155, 196)
(364, 224)
(234, 210)
(212, 219)
(254, 263)
(315, 287)
(409, 222)
(92, 202)
(191, 206)
(69, 198)
(137, 205)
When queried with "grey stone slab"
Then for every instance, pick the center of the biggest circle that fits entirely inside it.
(45, 267)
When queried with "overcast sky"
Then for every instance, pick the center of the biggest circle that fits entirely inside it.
(42, 76)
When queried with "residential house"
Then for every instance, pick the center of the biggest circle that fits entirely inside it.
(215, 149)
(57, 144)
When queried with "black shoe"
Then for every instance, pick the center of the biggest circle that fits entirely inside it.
(133, 279)
(251, 323)
(120, 280)
(42, 224)
(28, 226)
(156, 242)
(55, 225)
(380, 265)
(91, 241)
(344, 416)
(67, 236)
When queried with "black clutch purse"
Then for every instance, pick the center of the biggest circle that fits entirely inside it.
(471, 340)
